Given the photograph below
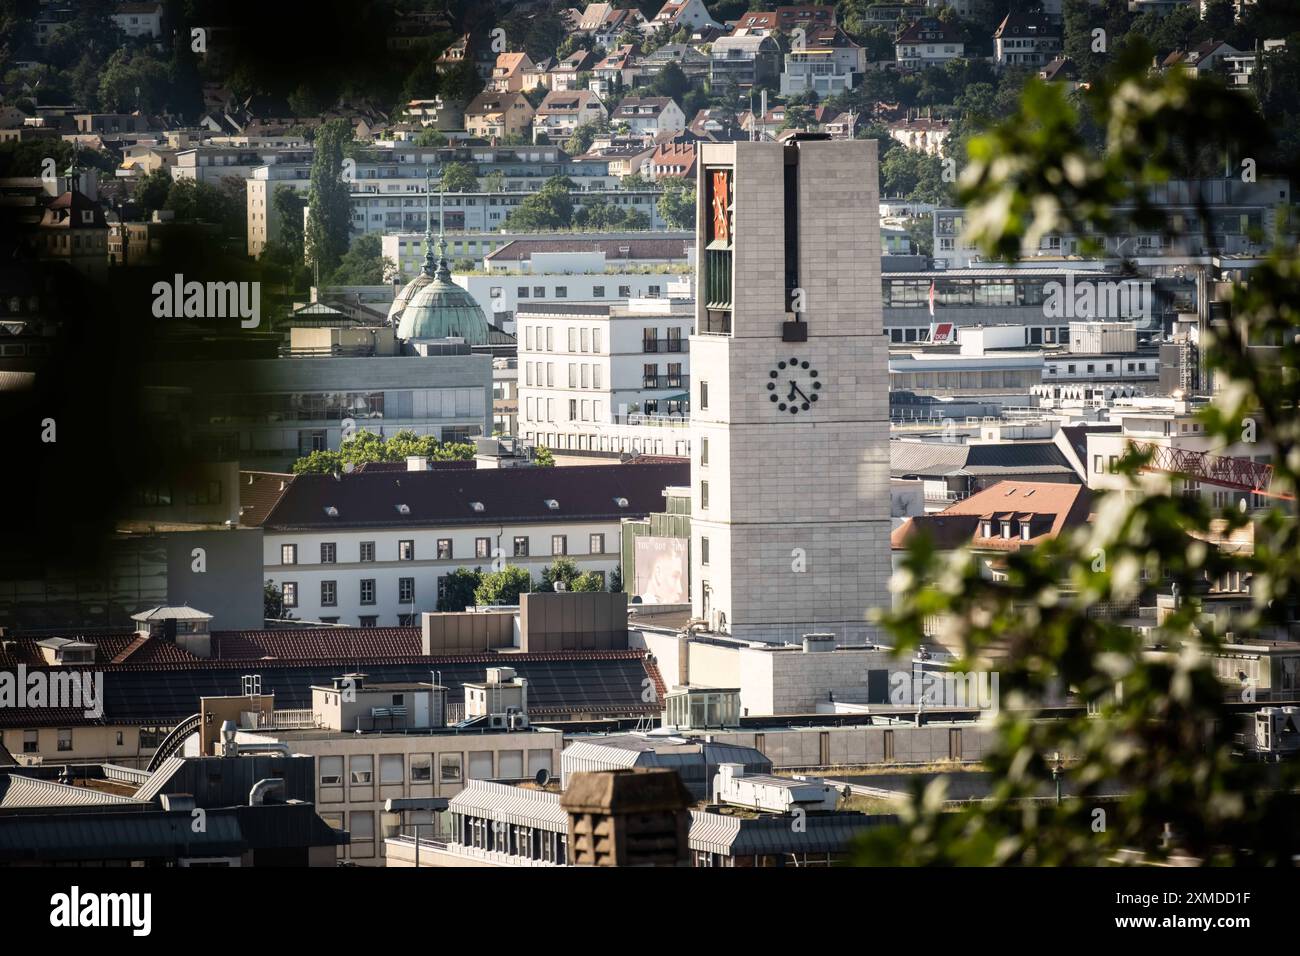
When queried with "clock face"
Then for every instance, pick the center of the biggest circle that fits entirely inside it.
(794, 386)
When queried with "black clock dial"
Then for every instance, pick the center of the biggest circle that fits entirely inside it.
(793, 385)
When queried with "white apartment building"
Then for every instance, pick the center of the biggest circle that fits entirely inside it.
(372, 548)
(528, 271)
(606, 377)
(138, 19)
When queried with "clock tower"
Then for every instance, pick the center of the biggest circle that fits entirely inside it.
(790, 392)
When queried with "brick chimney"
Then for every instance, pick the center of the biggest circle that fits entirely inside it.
(637, 817)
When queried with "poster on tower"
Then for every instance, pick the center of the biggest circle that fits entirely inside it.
(661, 571)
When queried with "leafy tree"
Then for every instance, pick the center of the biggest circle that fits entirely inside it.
(430, 138)
(503, 587)
(561, 570)
(288, 204)
(677, 204)
(133, 80)
(363, 263)
(366, 446)
(671, 82)
(193, 201)
(494, 182)
(330, 221)
(588, 581)
(273, 603)
(616, 581)
(583, 136)
(459, 178)
(548, 208)
(1160, 727)
(151, 192)
(459, 589)
(543, 458)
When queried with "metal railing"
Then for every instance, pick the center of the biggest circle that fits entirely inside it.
(665, 381)
(291, 720)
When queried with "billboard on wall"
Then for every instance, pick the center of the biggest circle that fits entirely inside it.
(661, 570)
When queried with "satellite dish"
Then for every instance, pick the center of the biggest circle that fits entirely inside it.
(543, 777)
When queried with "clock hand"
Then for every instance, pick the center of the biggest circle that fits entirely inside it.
(796, 388)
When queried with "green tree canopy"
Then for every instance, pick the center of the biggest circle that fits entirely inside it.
(503, 587)
(330, 220)
(459, 178)
(459, 589)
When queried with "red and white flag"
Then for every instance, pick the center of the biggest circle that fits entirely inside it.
(932, 298)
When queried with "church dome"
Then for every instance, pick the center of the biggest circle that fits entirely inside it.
(404, 297)
(440, 309)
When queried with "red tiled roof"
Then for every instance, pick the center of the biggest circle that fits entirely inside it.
(306, 644)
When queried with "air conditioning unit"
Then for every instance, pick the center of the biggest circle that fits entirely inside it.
(519, 722)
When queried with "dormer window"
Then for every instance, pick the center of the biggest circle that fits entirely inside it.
(1006, 529)
(621, 502)
(552, 504)
(1024, 530)
(476, 506)
(403, 509)
(986, 529)
(331, 511)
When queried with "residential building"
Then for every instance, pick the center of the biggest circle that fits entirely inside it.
(922, 134)
(564, 75)
(692, 62)
(1026, 39)
(926, 42)
(139, 19)
(606, 24)
(508, 76)
(560, 113)
(617, 70)
(606, 377)
(73, 231)
(743, 60)
(673, 159)
(649, 115)
(827, 63)
(494, 115)
(691, 14)
(373, 548)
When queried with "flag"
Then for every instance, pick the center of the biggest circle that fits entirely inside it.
(932, 298)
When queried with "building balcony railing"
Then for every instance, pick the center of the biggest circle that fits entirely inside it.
(665, 345)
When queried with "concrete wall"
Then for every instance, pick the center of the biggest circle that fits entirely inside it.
(572, 621)
(462, 632)
(230, 586)
(853, 746)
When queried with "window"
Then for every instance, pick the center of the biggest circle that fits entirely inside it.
(65, 738)
(704, 550)
(405, 590)
(595, 333)
(561, 291)
(625, 292)
(328, 553)
(559, 544)
(290, 592)
(521, 292)
(598, 292)
(444, 549)
(482, 547)
(390, 769)
(362, 770)
(368, 620)
(449, 769)
(480, 764)
(288, 554)
(368, 591)
(1097, 463)
(539, 292)
(331, 771)
(596, 544)
(367, 551)
(521, 546)
(704, 495)
(31, 744)
(406, 551)
(421, 768)
(573, 344)
(704, 451)
(704, 394)
(329, 594)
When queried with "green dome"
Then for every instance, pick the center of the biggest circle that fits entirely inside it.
(404, 297)
(439, 309)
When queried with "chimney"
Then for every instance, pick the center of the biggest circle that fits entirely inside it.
(637, 817)
(417, 463)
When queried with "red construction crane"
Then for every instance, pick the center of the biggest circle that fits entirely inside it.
(1243, 474)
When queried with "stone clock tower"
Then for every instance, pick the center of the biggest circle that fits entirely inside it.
(790, 398)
